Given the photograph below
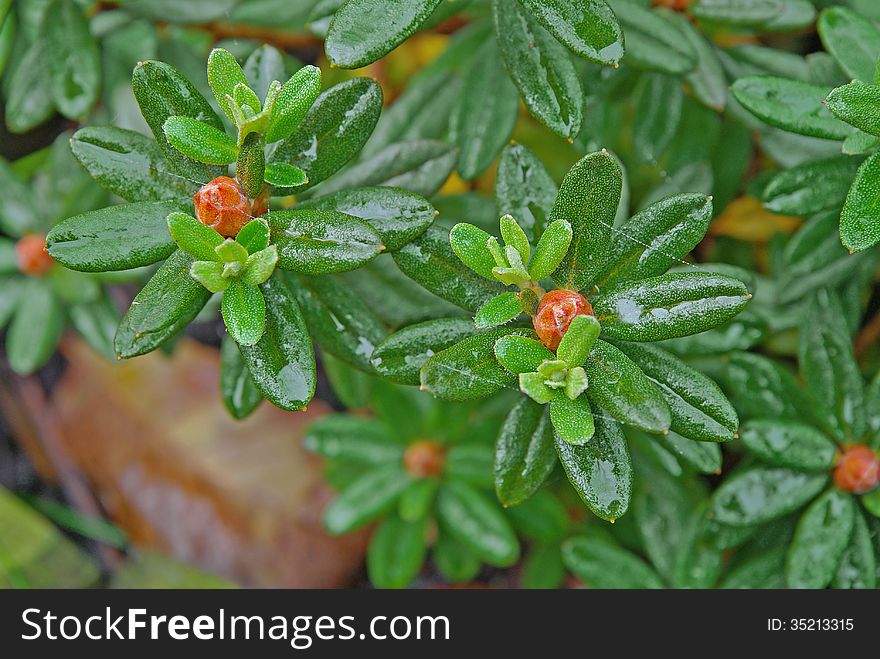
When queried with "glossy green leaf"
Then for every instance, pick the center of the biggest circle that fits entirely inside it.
(852, 40)
(856, 104)
(541, 69)
(738, 13)
(244, 312)
(263, 66)
(550, 250)
(293, 102)
(761, 494)
(321, 242)
(470, 463)
(254, 236)
(237, 389)
(525, 190)
(483, 120)
(18, 212)
(588, 200)
(359, 440)
(75, 66)
(705, 457)
(282, 175)
(259, 266)
(858, 565)
(543, 567)
(417, 500)
(28, 90)
(823, 535)
(282, 363)
(173, 11)
(707, 81)
(196, 239)
(498, 310)
(468, 369)
(362, 31)
(224, 73)
(471, 245)
(163, 92)
(791, 105)
(250, 165)
(525, 453)
(200, 141)
(788, 444)
(334, 129)
(668, 306)
(367, 498)
(521, 354)
(700, 410)
(477, 523)
(766, 570)
(168, 302)
(618, 385)
(114, 238)
(811, 188)
(128, 164)
(396, 552)
(578, 340)
(604, 565)
(600, 471)
(454, 561)
(588, 27)
(572, 419)
(544, 517)
(652, 41)
(658, 103)
(36, 327)
(859, 228)
(399, 357)
(430, 260)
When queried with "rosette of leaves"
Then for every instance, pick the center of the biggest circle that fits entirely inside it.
(38, 297)
(605, 373)
(421, 471)
(800, 438)
(287, 141)
(839, 107)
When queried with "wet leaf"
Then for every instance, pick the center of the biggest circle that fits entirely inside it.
(524, 453)
(822, 536)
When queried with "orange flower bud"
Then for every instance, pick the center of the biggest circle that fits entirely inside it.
(424, 458)
(857, 470)
(555, 313)
(32, 257)
(222, 205)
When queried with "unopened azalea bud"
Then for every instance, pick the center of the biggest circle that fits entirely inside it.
(32, 257)
(423, 459)
(222, 205)
(858, 470)
(555, 313)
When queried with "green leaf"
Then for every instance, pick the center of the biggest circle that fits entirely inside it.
(705, 457)
(543, 518)
(35, 328)
(18, 212)
(550, 250)
(75, 65)
(200, 141)
(653, 42)
(282, 363)
(859, 228)
(658, 101)
(454, 561)
(417, 500)
(430, 261)
(526, 191)
(192, 11)
(856, 104)
(589, 28)
(521, 354)
(210, 275)
(707, 81)
(604, 565)
(263, 66)
(283, 175)
(739, 13)
(96, 322)
(340, 321)
(823, 535)
(700, 410)
(788, 444)
(791, 105)
(541, 69)
(858, 565)
(477, 523)
(498, 310)
(254, 236)
(588, 200)
(543, 568)
(396, 552)
(470, 463)
(468, 369)
(10, 290)
(128, 164)
(397, 215)
(483, 120)
(244, 312)
(113, 238)
(193, 237)
(369, 497)
(163, 92)
(829, 366)
(515, 237)
(362, 31)
(259, 266)
(761, 494)
(578, 340)
(669, 306)
(28, 90)
(766, 571)
(334, 129)
(852, 40)
(471, 245)
(810, 188)
(619, 386)
(293, 102)
(525, 453)
(250, 164)
(320, 242)
(534, 386)
(168, 302)
(237, 389)
(224, 73)
(358, 440)
(572, 419)
(600, 471)
(399, 357)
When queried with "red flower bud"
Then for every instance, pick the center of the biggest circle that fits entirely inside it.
(857, 470)
(424, 458)
(222, 205)
(555, 313)
(32, 257)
